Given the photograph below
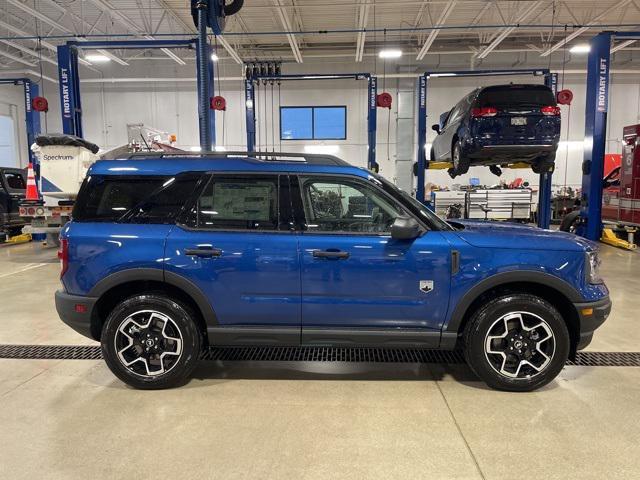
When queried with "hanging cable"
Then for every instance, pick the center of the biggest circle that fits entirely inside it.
(279, 111)
(273, 138)
(257, 124)
(266, 126)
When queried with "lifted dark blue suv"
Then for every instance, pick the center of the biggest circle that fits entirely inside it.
(166, 255)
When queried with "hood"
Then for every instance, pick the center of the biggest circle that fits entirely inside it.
(492, 234)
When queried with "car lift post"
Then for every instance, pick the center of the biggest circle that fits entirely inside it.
(372, 114)
(595, 131)
(69, 81)
(32, 117)
(550, 80)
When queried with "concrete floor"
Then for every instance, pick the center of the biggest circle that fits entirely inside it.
(73, 419)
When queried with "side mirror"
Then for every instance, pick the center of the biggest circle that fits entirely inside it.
(405, 228)
(436, 128)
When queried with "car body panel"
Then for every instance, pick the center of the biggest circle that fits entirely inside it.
(255, 281)
(378, 285)
(97, 250)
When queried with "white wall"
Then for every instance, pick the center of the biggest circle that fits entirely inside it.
(107, 108)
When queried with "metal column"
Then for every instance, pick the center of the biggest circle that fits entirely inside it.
(545, 186)
(595, 129)
(372, 121)
(69, 81)
(32, 120)
(422, 135)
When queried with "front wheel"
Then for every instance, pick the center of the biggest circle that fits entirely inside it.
(151, 342)
(516, 342)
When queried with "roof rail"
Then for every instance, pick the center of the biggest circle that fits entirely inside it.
(310, 158)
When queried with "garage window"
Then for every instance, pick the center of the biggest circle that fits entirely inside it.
(313, 123)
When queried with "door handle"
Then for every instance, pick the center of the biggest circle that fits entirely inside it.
(337, 254)
(207, 252)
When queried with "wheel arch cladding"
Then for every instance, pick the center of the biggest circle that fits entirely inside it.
(555, 291)
(118, 286)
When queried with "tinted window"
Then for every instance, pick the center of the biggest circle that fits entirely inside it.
(313, 123)
(133, 199)
(342, 205)
(237, 204)
(15, 181)
(516, 95)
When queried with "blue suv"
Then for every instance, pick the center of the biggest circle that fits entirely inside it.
(169, 254)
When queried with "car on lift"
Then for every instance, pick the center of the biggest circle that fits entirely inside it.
(499, 125)
(164, 258)
(13, 186)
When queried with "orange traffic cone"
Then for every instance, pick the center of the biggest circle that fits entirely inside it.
(32, 188)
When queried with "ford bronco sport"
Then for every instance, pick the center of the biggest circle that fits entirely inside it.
(166, 255)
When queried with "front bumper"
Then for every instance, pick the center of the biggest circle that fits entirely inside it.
(77, 312)
(591, 316)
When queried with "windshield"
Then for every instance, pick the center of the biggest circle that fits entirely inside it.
(416, 207)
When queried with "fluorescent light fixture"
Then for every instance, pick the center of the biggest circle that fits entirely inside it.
(442, 74)
(322, 149)
(195, 149)
(219, 148)
(581, 48)
(96, 58)
(390, 53)
(215, 57)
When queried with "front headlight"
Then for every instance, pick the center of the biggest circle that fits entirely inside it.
(592, 267)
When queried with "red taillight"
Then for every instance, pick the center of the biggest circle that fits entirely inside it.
(550, 111)
(484, 112)
(63, 256)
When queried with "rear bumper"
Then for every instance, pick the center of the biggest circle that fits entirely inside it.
(67, 307)
(511, 152)
(591, 315)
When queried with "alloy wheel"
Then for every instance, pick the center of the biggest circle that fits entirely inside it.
(519, 345)
(148, 343)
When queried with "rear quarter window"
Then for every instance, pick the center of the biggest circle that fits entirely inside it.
(150, 199)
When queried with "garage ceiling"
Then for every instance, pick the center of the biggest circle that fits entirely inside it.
(477, 29)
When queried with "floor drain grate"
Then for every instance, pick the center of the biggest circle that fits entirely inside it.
(310, 354)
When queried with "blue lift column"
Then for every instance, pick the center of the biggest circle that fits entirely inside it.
(545, 186)
(32, 120)
(372, 121)
(422, 135)
(205, 81)
(595, 129)
(69, 81)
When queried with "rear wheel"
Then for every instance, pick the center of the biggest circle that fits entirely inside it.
(517, 342)
(151, 342)
(460, 163)
(544, 164)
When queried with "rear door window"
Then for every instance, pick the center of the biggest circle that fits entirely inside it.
(149, 199)
(238, 203)
(516, 96)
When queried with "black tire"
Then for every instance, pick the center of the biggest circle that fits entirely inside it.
(570, 222)
(509, 371)
(459, 161)
(179, 333)
(544, 164)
